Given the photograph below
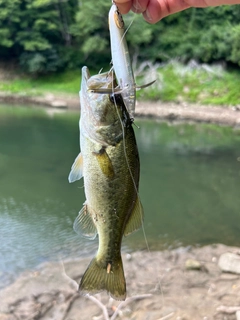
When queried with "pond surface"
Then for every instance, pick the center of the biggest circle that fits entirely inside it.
(190, 187)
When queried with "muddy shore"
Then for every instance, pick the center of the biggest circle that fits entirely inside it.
(182, 111)
(181, 284)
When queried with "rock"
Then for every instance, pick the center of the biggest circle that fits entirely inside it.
(228, 277)
(157, 288)
(238, 315)
(6, 317)
(192, 264)
(59, 104)
(229, 262)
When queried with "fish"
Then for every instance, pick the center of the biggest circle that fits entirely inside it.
(121, 62)
(110, 166)
(121, 59)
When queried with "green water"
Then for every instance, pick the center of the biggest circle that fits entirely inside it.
(190, 187)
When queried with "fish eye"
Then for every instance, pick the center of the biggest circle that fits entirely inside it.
(118, 20)
(112, 98)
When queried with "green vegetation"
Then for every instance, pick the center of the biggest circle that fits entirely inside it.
(196, 83)
(36, 32)
(65, 82)
(50, 40)
(46, 36)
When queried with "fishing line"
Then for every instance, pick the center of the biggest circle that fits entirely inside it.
(134, 184)
(125, 154)
(123, 132)
(128, 165)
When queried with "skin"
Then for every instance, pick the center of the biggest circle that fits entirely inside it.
(155, 10)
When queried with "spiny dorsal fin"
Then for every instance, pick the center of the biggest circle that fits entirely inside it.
(76, 172)
(136, 219)
(84, 225)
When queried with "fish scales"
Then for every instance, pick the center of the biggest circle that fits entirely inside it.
(109, 163)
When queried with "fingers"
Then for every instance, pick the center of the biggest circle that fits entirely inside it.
(153, 10)
(139, 6)
(124, 6)
(158, 9)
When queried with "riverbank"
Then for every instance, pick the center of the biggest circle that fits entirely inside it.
(181, 284)
(223, 115)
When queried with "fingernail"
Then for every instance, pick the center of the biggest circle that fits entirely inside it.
(137, 7)
(148, 15)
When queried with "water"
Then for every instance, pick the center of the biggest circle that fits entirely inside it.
(190, 188)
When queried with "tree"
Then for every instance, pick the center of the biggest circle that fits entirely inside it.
(49, 35)
(34, 31)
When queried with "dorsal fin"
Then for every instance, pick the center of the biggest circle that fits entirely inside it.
(136, 219)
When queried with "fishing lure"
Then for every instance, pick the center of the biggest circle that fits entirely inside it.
(121, 61)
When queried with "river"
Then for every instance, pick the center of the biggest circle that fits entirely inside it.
(189, 187)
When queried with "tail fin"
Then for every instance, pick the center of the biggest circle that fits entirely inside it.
(99, 277)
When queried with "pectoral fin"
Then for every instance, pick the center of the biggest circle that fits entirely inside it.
(136, 219)
(84, 225)
(105, 163)
(76, 172)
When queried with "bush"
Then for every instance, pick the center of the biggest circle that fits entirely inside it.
(40, 62)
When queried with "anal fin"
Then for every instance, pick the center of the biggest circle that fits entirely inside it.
(84, 225)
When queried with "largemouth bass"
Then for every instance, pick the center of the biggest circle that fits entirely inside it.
(109, 163)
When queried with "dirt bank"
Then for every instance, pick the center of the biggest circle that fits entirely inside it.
(182, 284)
(163, 111)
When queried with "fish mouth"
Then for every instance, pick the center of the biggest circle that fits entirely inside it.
(102, 83)
(85, 76)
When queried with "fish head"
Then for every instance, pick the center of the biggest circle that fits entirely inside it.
(97, 108)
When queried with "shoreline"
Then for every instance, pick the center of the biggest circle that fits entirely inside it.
(180, 284)
(170, 111)
(183, 284)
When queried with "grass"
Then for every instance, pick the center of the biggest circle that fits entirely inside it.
(195, 83)
(67, 83)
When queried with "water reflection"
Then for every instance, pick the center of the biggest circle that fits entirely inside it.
(195, 175)
(189, 187)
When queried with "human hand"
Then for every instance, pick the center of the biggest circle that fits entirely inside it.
(152, 10)
(155, 10)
